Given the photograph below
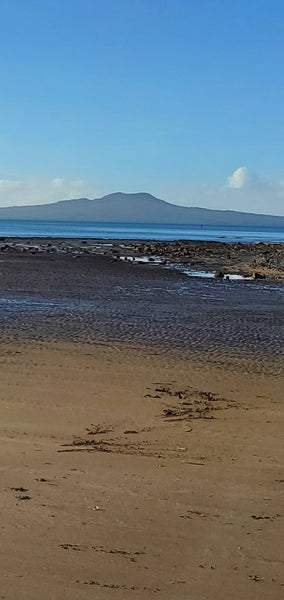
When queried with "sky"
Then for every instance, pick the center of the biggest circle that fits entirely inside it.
(179, 98)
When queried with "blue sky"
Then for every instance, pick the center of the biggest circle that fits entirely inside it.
(180, 98)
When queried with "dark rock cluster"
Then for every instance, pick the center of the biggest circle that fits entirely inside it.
(258, 260)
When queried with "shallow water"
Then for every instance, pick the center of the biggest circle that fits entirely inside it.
(140, 305)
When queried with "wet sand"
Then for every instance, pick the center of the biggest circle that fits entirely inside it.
(93, 299)
(141, 433)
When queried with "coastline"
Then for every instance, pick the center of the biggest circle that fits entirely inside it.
(141, 431)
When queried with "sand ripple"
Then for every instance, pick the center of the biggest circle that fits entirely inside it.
(171, 313)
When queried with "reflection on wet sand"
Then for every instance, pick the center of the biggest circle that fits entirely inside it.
(96, 299)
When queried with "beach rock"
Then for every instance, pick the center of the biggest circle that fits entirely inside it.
(258, 275)
(219, 274)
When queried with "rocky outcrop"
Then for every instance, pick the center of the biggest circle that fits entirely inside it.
(257, 260)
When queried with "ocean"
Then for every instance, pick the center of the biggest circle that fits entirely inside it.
(138, 231)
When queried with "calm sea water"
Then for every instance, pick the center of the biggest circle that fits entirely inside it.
(71, 229)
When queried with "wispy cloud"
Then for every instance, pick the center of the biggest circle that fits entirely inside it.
(16, 192)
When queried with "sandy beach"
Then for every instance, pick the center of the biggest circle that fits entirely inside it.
(141, 435)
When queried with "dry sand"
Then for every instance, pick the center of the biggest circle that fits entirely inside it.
(130, 474)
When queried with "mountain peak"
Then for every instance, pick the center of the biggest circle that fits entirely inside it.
(130, 196)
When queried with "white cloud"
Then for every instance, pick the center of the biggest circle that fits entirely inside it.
(239, 179)
(57, 182)
(16, 192)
